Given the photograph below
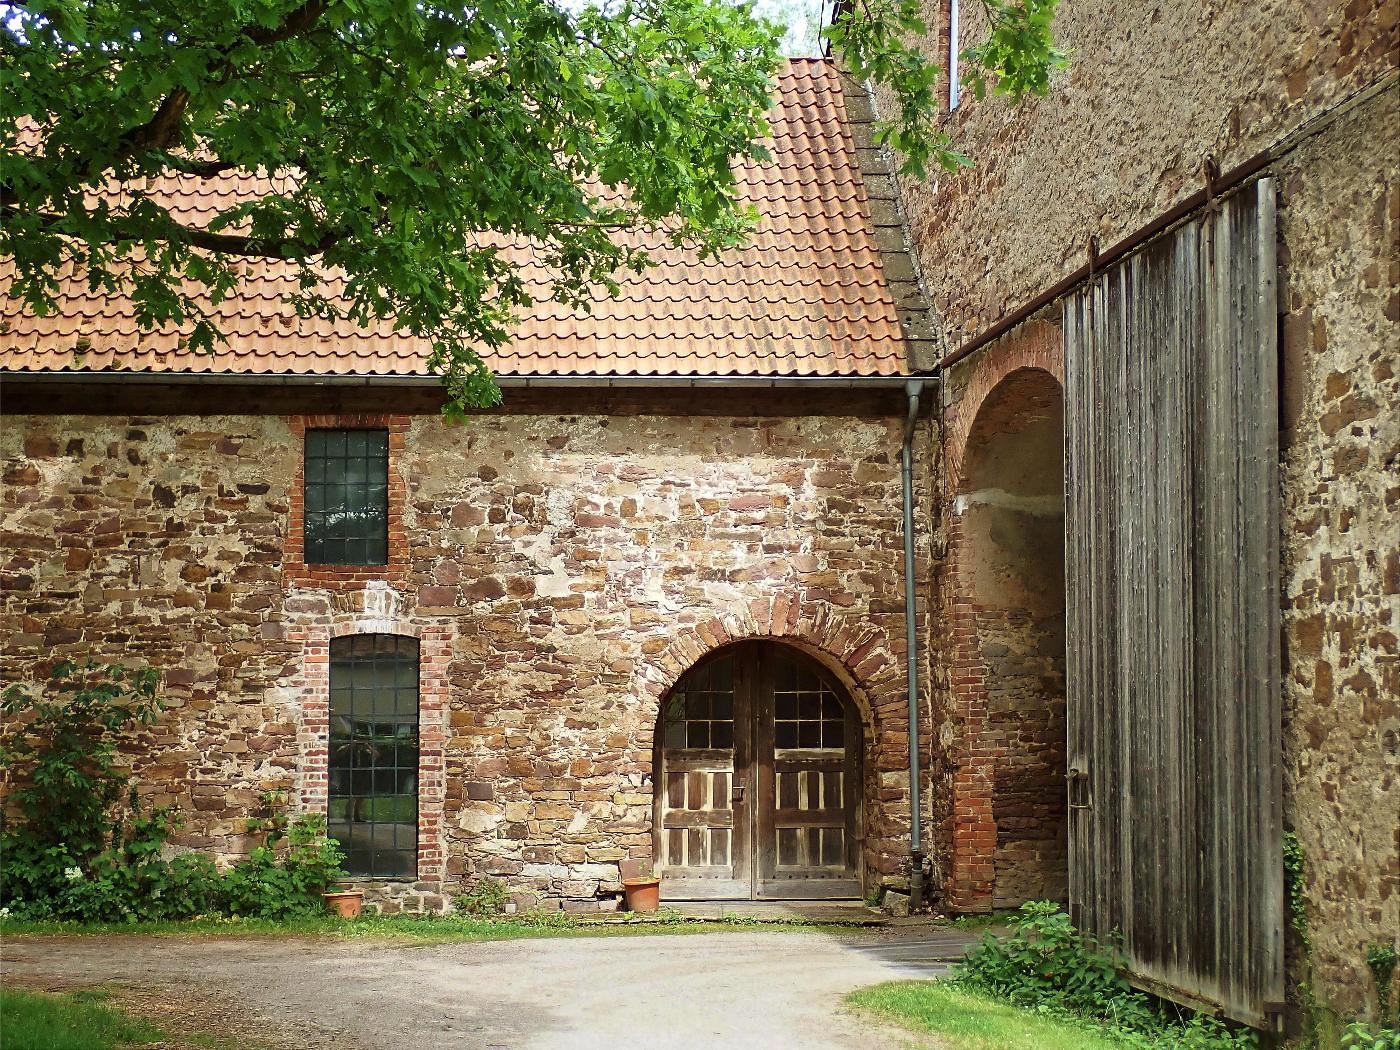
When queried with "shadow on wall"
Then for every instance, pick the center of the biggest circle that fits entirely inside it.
(1011, 501)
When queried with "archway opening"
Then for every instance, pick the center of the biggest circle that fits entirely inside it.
(758, 786)
(1011, 567)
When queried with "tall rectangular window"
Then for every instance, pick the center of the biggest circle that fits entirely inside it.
(374, 754)
(346, 500)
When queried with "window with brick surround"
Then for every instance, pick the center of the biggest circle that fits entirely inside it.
(373, 796)
(346, 497)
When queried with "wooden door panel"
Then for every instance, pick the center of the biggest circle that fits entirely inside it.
(703, 827)
(775, 815)
(1173, 603)
(807, 746)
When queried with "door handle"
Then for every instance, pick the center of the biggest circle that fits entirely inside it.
(738, 795)
(1077, 787)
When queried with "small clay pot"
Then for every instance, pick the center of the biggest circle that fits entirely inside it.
(345, 903)
(642, 894)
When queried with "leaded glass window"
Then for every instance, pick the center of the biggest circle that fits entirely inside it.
(700, 710)
(374, 754)
(807, 713)
(346, 502)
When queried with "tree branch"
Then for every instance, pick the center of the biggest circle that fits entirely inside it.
(289, 248)
(162, 130)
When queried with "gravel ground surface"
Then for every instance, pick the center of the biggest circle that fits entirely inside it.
(768, 990)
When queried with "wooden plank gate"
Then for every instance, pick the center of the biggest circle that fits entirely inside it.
(1172, 575)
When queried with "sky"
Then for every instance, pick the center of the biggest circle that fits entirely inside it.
(803, 19)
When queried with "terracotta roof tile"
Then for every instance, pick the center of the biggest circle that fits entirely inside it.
(807, 296)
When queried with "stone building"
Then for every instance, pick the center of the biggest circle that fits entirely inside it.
(655, 605)
(456, 640)
(1162, 111)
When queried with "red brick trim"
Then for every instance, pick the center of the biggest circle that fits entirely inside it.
(312, 684)
(1035, 345)
(347, 577)
(972, 872)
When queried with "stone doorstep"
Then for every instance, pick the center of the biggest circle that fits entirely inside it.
(823, 913)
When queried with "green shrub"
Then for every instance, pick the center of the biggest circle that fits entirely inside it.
(1048, 965)
(485, 898)
(78, 852)
(285, 877)
(1360, 1035)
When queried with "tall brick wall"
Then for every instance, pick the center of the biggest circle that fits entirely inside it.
(1152, 92)
(561, 572)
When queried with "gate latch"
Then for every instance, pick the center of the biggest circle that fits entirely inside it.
(1077, 782)
(738, 793)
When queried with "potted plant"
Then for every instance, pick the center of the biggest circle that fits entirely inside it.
(642, 891)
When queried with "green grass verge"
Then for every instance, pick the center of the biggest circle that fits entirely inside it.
(964, 1020)
(443, 929)
(34, 1021)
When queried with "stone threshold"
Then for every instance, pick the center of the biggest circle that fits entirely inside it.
(822, 913)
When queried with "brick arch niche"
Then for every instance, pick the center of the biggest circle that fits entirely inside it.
(1007, 561)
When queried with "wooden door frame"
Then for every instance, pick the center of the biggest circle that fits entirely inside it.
(753, 737)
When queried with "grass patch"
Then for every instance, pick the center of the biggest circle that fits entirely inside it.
(420, 929)
(35, 1021)
(965, 1020)
(978, 921)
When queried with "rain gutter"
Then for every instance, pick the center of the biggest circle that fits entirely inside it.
(504, 381)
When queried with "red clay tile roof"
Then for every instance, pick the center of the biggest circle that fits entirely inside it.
(808, 296)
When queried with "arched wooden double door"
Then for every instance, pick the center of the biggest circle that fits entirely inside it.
(758, 793)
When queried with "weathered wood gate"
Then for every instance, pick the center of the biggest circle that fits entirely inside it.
(1173, 609)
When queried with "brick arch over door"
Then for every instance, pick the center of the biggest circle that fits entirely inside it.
(866, 662)
(1002, 593)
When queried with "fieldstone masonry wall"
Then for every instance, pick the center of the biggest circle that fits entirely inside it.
(560, 572)
(1152, 92)
(1339, 219)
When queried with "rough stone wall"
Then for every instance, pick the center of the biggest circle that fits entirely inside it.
(1339, 226)
(568, 569)
(1340, 269)
(1152, 92)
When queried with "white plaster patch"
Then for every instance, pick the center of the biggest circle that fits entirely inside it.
(1052, 505)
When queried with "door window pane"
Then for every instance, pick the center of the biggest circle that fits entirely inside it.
(807, 712)
(699, 713)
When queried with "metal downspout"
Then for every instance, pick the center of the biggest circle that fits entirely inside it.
(916, 854)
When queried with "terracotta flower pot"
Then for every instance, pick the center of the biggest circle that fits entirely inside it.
(345, 903)
(642, 894)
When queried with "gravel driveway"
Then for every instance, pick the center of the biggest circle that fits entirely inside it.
(769, 990)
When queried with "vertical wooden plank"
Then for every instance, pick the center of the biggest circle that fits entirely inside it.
(1172, 606)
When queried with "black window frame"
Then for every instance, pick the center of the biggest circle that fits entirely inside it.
(345, 472)
(375, 714)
